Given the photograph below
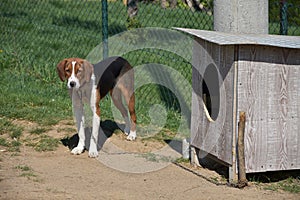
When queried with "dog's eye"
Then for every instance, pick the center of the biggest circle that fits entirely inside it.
(67, 70)
(80, 70)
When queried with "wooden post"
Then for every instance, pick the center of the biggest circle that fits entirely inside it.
(241, 154)
(233, 176)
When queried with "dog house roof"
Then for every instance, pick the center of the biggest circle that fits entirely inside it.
(222, 38)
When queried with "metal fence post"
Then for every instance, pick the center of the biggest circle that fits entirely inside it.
(283, 17)
(105, 28)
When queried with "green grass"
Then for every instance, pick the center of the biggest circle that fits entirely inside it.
(47, 143)
(69, 130)
(151, 157)
(6, 126)
(3, 142)
(182, 160)
(23, 168)
(10, 135)
(12, 146)
(29, 175)
(27, 172)
(12, 138)
(42, 143)
(290, 184)
(27, 97)
(288, 181)
(38, 34)
(39, 131)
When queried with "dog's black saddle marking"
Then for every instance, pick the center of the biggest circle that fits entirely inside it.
(107, 70)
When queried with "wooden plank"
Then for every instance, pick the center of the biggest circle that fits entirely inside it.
(252, 81)
(213, 137)
(198, 121)
(284, 101)
(280, 112)
(298, 123)
(293, 103)
(209, 141)
(269, 93)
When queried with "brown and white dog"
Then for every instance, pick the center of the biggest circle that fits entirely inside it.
(89, 83)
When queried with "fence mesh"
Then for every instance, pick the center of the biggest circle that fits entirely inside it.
(48, 30)
(37, 34)
(284, 17)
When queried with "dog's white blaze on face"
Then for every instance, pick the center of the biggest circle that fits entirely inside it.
(73, 80)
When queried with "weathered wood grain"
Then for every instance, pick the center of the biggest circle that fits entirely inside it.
(251, 79)
(213, 137)
(269, 91)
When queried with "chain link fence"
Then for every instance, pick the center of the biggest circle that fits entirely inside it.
(48, 30)
(284, 17)
(37, 34)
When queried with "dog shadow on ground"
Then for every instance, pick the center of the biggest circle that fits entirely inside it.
(176, 145)
(106, 130)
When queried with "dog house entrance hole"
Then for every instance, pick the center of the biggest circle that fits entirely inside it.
(211, 92)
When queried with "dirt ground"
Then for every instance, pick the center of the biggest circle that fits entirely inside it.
(114, 175)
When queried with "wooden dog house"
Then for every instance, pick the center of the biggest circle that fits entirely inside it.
(257, 74)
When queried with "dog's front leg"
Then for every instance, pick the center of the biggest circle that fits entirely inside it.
(93, 150)
(95, 98)
(79, 115)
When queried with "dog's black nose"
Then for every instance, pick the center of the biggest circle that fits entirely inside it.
(72, 84)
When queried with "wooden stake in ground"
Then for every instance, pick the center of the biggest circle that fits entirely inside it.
(241, 155)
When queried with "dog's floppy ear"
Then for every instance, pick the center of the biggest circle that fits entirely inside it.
(88, 70)
(61, 69)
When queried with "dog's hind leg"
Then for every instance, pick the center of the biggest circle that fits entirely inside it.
(131, 107)
(128, 94)
(130, 100)
(117, 100)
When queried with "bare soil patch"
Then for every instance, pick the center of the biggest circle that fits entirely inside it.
(30, 174)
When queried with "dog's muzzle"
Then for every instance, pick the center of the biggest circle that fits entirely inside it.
(73, 83)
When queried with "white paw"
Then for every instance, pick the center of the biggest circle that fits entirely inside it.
(127, 130)
(93, 154)
(131, 136)
(77, 150)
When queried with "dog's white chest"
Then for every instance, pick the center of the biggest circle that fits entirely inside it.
(82, 94)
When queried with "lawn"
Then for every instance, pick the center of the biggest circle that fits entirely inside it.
(36, 35)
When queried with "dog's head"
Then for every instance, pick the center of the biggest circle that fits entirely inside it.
(76, 70)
